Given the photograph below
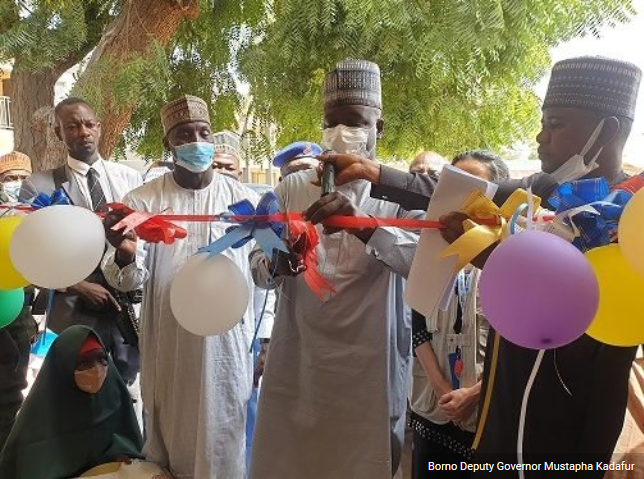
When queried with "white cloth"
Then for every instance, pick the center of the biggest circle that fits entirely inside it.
(195, 390)
(115, 180)
(472, 340)
(267, 297)
(155, 172)
(335, 385)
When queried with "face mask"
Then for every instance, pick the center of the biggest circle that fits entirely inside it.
(195, 157)
(347, 139)
(91, 380)
(576, 167)
(11, 189)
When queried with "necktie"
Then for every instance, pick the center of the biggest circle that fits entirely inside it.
(96, 191)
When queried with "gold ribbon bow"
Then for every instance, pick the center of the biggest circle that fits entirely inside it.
(478, 237)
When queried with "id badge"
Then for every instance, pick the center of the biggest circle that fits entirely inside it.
(456, 368)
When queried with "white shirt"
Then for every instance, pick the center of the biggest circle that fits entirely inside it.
(334, 389)
(115, 180)
(80, 171)
(195, 389)
(471, 340)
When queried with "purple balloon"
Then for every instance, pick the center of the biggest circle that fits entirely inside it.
(538, 291)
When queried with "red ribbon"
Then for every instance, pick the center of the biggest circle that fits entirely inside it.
(149, 227)
(632, 185)
(307, 239)
(157, 228)
(17, 207)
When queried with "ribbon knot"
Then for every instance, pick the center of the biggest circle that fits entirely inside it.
(148, 226)
(42, 200)
(477, 236)
(254, 223)
(591, 210)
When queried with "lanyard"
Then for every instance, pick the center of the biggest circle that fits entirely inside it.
(463, 288)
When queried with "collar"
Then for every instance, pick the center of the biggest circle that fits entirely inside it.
(83, 168)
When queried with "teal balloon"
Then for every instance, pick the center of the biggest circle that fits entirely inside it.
(11, 303)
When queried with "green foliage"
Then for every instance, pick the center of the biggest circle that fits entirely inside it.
(202, 61)
(42, 33)
(457, 74)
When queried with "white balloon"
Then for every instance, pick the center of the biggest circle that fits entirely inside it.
(209, 295)
(58, 246)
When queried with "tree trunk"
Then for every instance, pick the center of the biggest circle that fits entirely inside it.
(34, 135)
(134, 32)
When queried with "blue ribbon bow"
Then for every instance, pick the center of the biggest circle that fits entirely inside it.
(267, 234)
(595, 229)
(58, 197)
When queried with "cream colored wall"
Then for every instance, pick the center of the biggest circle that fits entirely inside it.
(6, 141)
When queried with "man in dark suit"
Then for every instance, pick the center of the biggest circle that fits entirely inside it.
(90, 182)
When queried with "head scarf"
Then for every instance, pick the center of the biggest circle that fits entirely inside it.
(91, 344)
(62, 431)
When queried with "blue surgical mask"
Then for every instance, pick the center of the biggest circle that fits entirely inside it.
(195, 157)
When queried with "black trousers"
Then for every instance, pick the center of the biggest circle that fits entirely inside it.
(438, 444)
(15, 345)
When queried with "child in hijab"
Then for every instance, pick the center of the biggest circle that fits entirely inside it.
(78, 414)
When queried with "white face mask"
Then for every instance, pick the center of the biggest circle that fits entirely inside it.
(347, 139)
(576, 167)
(12, 189)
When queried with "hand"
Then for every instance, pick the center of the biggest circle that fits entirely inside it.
(459, 404)
(336, 204)
(453, 223)
(454, 229)
(94, 295)
(286, 264)
(125, 243)
(349, 168)
(261, 361)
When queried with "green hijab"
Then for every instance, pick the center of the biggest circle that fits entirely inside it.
(62, 431)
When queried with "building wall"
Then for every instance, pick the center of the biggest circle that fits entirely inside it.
(6, 141)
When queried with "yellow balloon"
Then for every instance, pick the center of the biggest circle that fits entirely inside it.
(631, 232)
(103, 469)
(9, 277)
(620, 317)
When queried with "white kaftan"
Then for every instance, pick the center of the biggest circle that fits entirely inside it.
(195, 390)
(334, 388)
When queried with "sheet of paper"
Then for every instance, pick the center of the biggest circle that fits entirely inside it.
(430, 276)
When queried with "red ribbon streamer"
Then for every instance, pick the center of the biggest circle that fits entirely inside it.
(632, 185)
(307, 239)
(149, 227)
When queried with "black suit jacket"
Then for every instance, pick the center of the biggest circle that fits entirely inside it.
(413, 191)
